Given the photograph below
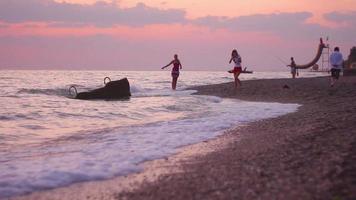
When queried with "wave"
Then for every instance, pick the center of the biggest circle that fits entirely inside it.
(136, 91)
(163, 93)
(10, 117)
(109, 152)
(136, 88)
(212, 99)
(51, 92)
(9, 78)
(10, 96)
(5, 118)
(55, 92)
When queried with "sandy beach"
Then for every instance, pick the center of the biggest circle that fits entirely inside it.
(309, 154)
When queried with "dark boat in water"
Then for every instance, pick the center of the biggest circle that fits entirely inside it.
(119, 89)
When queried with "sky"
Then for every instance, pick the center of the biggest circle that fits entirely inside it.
(144, 35)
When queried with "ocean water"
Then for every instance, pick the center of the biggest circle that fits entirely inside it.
(49, 140)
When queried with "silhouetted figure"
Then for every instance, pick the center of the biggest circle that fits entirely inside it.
(175, 70)
(293, 67)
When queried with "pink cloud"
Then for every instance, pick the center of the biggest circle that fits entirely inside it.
(191, 33)
(48, 33)
(100, 14)
(89, 47)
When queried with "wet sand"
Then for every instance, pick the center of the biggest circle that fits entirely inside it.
(309, 154)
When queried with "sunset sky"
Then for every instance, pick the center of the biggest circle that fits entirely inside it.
(144, 35)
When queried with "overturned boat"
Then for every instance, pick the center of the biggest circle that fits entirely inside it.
(119, 89)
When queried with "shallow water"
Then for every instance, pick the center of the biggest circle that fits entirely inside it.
(48, 140)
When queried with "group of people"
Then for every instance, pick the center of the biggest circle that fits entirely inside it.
(336, 61)
(235, 58)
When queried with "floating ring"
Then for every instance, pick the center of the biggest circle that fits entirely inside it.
(105, 80)
(70, 91)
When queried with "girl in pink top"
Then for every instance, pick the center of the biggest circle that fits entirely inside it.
(175, 70)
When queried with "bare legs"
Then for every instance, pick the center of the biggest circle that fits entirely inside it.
(174, 83)
(335, 73)
(293, 75)
(237, 80)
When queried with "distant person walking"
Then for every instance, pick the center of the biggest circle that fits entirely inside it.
(175, 70)
(236, 58)
(293, 68)
(336, 61)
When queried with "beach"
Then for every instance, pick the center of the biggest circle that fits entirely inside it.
(308, 154)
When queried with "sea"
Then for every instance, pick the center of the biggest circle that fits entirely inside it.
(50, 140)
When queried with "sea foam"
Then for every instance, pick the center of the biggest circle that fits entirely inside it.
(49, 140)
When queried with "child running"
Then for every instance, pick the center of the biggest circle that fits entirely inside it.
(175, 70)
(237, 66)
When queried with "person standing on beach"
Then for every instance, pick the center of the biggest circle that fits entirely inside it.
(237, 66)
(175, 70)
(293, 67)
(336, 61)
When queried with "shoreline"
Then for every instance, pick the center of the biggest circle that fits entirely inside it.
(152, 171)
(294, 156)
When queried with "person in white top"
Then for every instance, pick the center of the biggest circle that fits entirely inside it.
(237, 66)
(336, 61)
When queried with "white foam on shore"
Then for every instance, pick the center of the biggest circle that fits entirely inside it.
(48, 140)
(119, 151)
